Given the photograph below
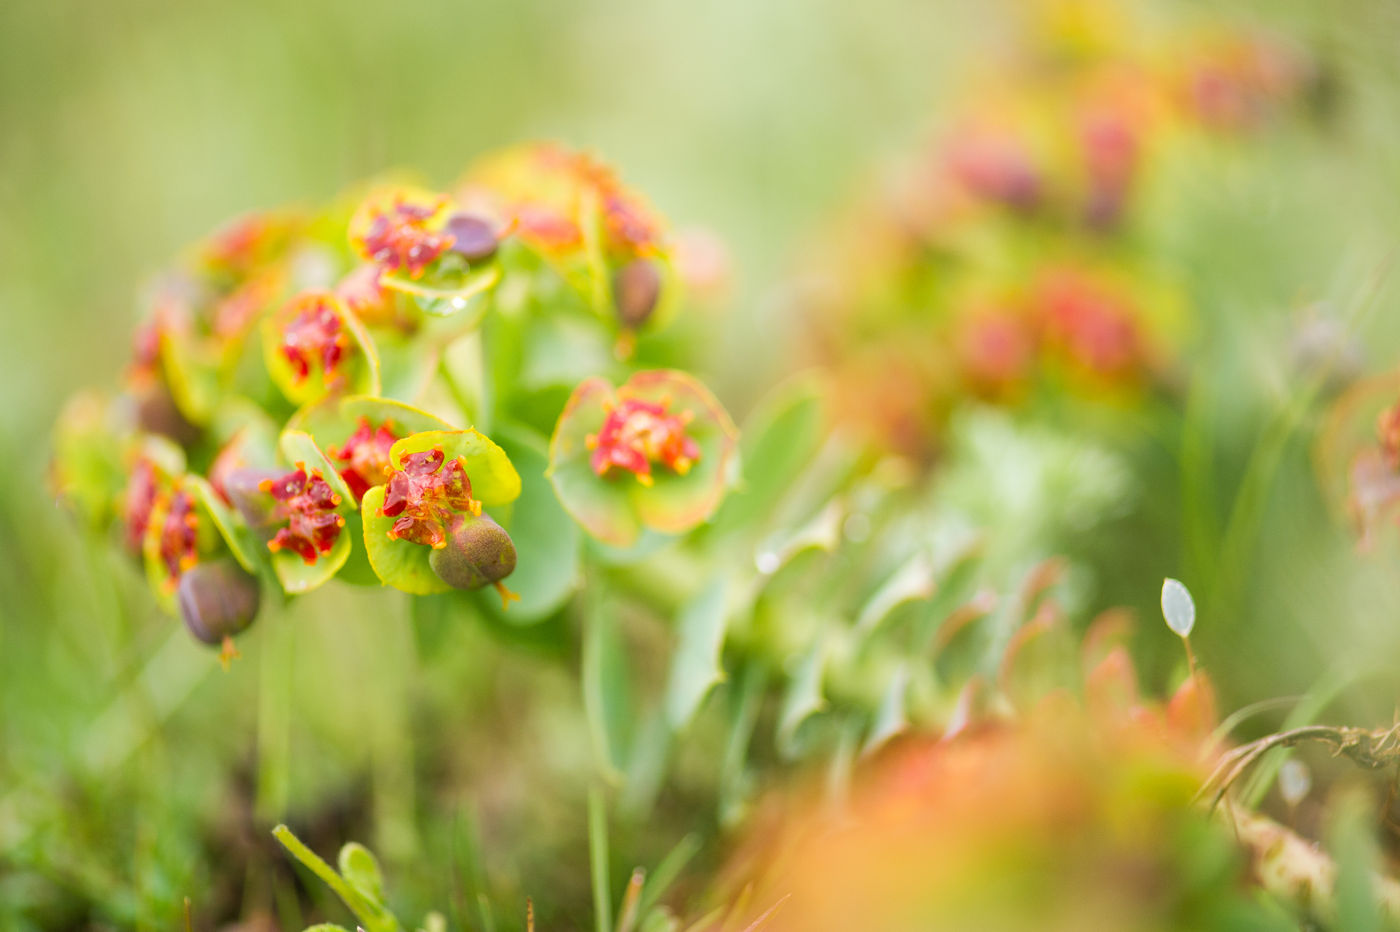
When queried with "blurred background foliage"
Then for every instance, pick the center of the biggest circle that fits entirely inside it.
(132, 775)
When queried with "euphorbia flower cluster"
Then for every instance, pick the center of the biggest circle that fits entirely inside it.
(308, 504)
(405, 236)
(324, 446)
(638, 433)
(425, 494)
(315, 338)
(179, 536)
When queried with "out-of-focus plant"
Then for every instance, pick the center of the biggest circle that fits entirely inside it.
(1018, 259)
(446, 392)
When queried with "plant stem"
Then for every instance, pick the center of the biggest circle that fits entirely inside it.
(598, 859)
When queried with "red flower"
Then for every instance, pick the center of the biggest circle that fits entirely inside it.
(424, 495)
(317, 334)
(179, 536)
(366, 455)
(1388, 433)
(638, 433)
(308, 503)
(400, 238)
(1093, 326)
(138, 503)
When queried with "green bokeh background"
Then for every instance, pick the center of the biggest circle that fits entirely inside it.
(130, 128)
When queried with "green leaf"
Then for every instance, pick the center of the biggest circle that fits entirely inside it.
(820, 532)
(331, 421)
(607, 691)
(371, 914)
(399, 563)
(360, 869)
(695, 664)
(190, 375)
(241, 543)
(912, 582)
(803, 698)
(779, 439)
(890, 719)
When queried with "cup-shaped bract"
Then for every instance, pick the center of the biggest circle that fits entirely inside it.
(655, 453)
(425, 248)
(298, 512)
(438, 478)
(314, 347)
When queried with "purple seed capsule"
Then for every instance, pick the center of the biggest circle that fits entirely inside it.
(472, 237)
(636, 291)
(256, 505)
(217, 600)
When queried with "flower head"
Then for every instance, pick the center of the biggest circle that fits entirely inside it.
(664, 428)
(404, 235)
(365, 454)
(438, 483)
(423, 496)
(178, 545)
(638, 433)
(308, 504)
(138, 502)
(315, 338)
(1388, 433)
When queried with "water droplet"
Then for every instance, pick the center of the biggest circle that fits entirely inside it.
(767, 562)
(1294, 781)
(1177, 607)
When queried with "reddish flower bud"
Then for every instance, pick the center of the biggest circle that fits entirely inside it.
(218, 600)
(424, 495)
(308, 504)
(637, 434)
